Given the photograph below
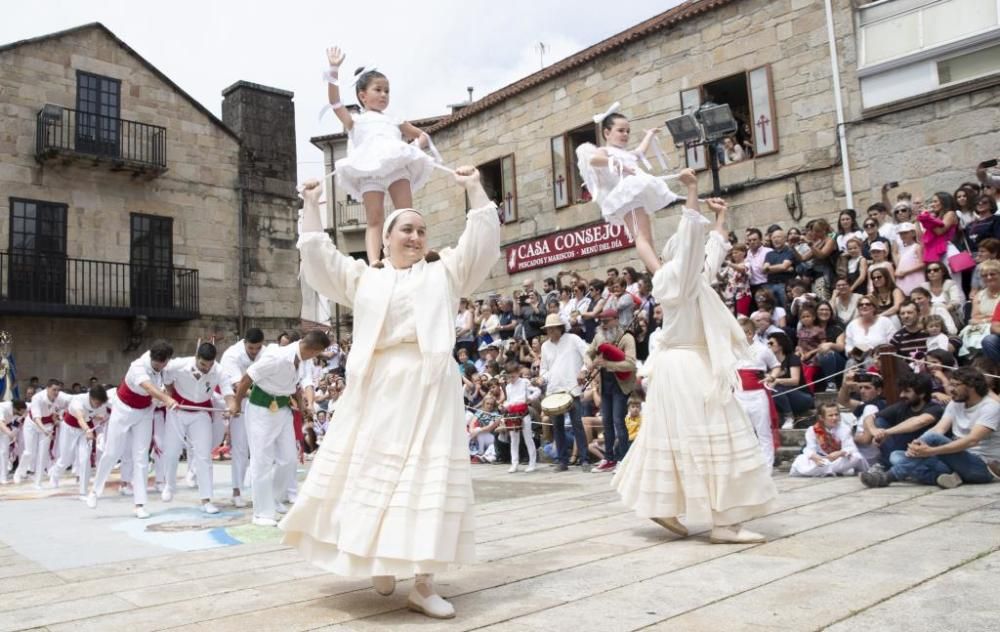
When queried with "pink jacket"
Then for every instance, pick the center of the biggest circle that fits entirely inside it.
(935, 246)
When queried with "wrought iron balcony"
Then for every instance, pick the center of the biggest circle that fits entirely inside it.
(351, 215)
(52, 284)
(65, 134)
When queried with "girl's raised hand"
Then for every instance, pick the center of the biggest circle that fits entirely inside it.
(335, 56)
(716, 204)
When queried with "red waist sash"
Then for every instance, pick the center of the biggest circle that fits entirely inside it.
(132, 399)
(70, 419)
(48, 420)
(751, 381)
(183, 401)
(520, 408)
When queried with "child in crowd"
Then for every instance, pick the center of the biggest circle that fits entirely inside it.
(830, 449)
(634, 418)
(936, 338)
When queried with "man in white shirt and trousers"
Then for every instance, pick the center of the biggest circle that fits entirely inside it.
(276, 379)
(133, 410)
(84, 413)
(193, 380)
(46, 405)
(234, 364)
(12, 415)
(564, 356)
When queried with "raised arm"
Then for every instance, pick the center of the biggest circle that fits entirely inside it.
(336, 57)
(324, 268)
(469, 262)
(718, 243)
(646, 140)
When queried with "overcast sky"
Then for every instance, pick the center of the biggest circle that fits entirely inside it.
(429, 50)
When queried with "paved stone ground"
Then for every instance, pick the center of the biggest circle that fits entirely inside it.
(557, 552)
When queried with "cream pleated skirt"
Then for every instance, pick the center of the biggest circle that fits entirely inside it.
(390, 489)
(696, 454)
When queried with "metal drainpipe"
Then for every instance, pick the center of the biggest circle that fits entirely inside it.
(839, 103)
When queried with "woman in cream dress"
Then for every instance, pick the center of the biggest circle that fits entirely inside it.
(390, 491)
(696, 454)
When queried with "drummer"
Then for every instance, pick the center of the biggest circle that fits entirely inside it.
(564, 358)
(519, 391)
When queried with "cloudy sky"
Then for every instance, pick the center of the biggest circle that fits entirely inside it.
(430, 50)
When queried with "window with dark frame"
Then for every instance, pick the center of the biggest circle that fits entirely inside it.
(37, 251)
(151, 255)
(98, 105)
(567, 181)
(499, 180)
(750, 97)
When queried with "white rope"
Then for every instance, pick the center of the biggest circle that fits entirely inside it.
(937, 364)
(807, 384)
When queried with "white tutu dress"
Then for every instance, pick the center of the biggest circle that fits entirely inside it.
(377, 157)
(696, 454)
(618, 193)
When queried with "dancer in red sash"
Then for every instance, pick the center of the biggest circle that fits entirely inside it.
(133, 410)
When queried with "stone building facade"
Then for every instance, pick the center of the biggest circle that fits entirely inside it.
(772, 62)
(131, 212)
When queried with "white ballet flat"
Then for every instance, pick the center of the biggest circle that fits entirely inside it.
(529, 469)
(238, 502)
(433, 606)
(141, 513)
(512, 468)
(166, 495)
(734, 534)
(209, 508)
(384, 585)
(673, 525)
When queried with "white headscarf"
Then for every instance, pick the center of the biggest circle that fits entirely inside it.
(387, 226)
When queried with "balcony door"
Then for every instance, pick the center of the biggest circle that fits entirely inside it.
(151, 262)
(37, 251)
(98, 122)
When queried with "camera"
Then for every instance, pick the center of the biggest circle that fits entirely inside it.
(986, 164)
(892, 185)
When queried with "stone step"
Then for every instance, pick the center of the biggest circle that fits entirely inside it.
(825, 397)
(784, 456)
(793, 438)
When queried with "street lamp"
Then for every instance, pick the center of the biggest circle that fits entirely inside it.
(706, 126)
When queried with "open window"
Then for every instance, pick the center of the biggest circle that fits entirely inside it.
(499, 182)
(750, 97)
(567, 182)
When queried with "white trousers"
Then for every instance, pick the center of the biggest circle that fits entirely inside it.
(755, 405)
(116, 443)
(35, 450)
(529, 441)
(272, 450)
(239, 448)
(193, 430)
(804, 466)
(5, 446)
(74, 450)
(159, 430)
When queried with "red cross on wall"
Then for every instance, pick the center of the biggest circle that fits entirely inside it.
(763, 122)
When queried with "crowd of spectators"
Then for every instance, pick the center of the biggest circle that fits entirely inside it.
(917, 278)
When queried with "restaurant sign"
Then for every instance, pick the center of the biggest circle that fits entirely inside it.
(577, 243)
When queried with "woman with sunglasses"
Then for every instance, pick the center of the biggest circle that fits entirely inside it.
(943, 290)
(786, 377)
(983, 304)
(866, 333)
(871, 235)
(886, 296)
(986, 223)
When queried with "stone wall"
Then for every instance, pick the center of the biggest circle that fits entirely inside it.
(936, 146)
(264, 118)
(201, 191)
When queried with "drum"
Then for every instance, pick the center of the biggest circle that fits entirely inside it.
(557, 404)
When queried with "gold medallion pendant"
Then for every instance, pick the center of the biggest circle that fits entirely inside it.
(274, 406)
